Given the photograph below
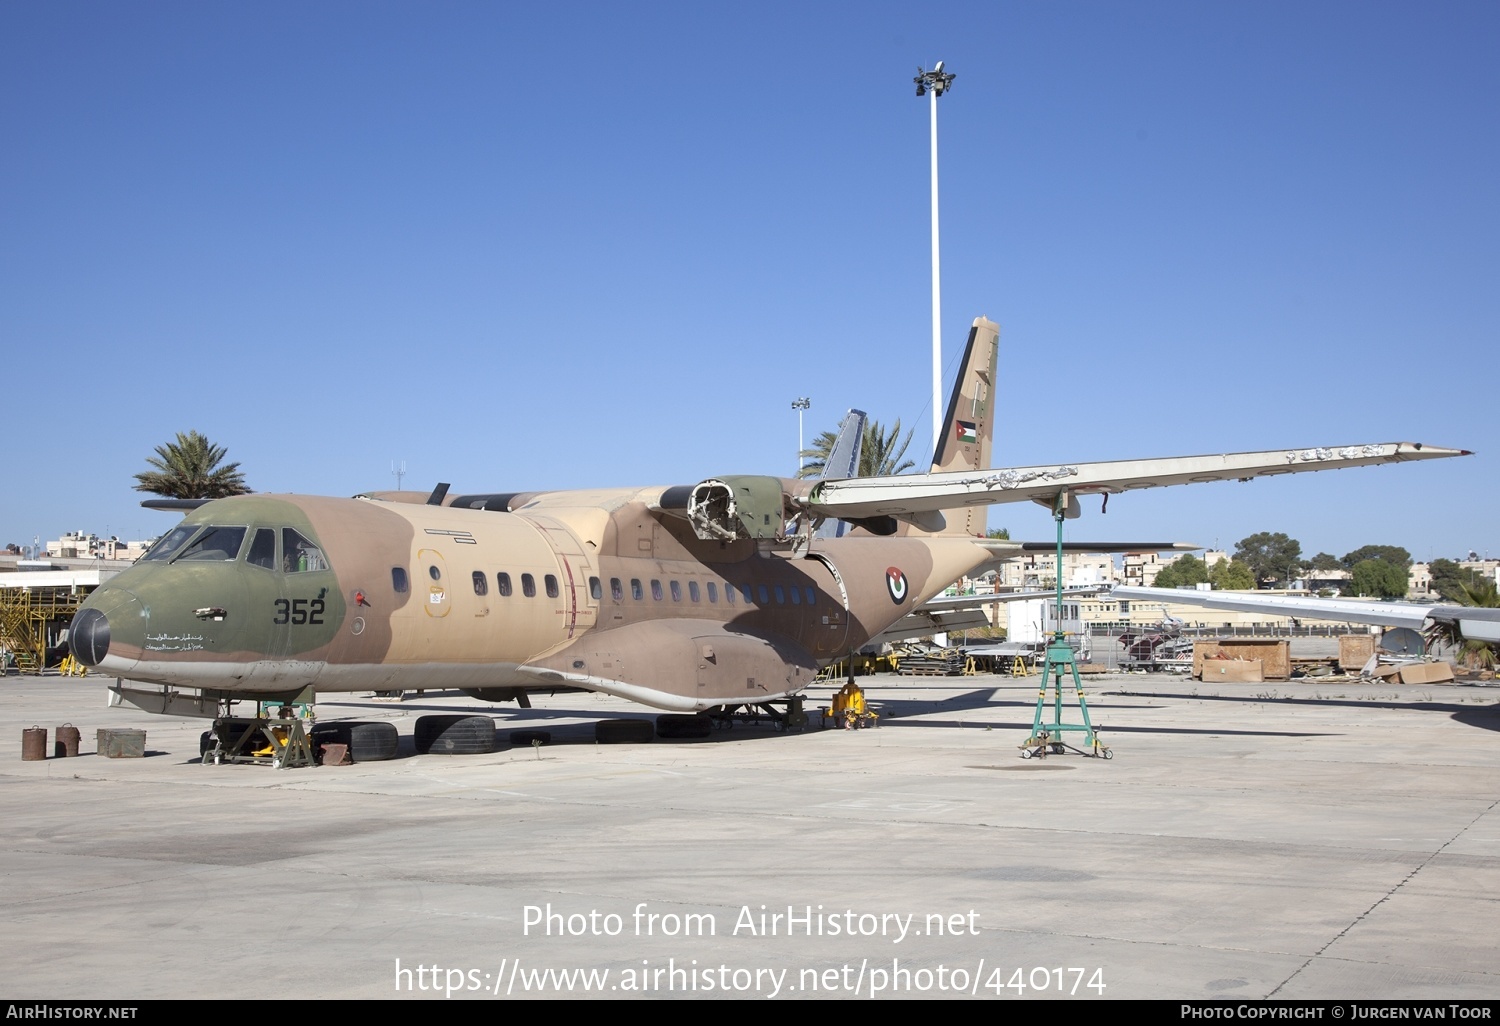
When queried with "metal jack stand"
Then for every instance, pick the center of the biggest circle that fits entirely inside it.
(1047, 737)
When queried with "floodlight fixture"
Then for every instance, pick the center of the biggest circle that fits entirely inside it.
(937, 80)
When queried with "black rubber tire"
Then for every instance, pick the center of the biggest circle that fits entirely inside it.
(206, 742)
(523, 738)
(624, 732)
(684, 725)
(454, 735)
(234, 728)
(371, 741)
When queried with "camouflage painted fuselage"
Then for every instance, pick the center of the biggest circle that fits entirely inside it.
(575, 589)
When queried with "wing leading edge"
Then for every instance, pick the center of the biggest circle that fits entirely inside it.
(916, 494)
(1475, 623)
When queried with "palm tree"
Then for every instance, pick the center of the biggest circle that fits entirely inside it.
(189, 469)
(880, 452)
(1482, 593)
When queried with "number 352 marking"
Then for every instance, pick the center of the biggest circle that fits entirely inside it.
(299, 611)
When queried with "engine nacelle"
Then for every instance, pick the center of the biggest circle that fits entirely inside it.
(739, 507)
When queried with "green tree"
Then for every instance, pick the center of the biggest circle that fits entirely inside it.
(880, 455)
(1003, 533)
(1393, 554)
(1270, 557)
(1324, 561)
(1231, 575)
(189, 469)
(1182, 572)
(1378, 578)
(1448, 579)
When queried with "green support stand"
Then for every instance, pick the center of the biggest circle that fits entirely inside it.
(1047, 737)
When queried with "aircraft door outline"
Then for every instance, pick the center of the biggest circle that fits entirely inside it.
(837, 634)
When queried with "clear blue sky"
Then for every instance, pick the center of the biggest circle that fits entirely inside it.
(567, 245)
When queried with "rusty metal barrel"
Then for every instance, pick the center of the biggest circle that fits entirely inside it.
(33, 744)
(66, 744)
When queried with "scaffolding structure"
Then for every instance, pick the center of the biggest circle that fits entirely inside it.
(35, 610)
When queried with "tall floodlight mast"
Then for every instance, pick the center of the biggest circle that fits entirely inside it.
(937, 82)
(799, 404)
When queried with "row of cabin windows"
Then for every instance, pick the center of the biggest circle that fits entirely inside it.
(799, 594)
(733, 593)
(503, 583)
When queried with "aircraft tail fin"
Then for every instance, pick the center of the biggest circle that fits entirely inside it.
(843, 461)
(969, 428)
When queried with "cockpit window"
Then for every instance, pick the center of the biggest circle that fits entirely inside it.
(171, 542)
(263, 549)
(299, 555)
(214, 544)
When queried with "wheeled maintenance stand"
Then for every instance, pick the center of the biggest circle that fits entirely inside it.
(1047, 737)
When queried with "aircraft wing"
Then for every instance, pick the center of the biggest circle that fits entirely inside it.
(1476, 623)
(963, 612)
(916, 496)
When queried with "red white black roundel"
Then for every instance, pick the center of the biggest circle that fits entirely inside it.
(895, 583)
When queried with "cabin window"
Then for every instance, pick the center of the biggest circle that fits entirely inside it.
(812, 595)
(298, 554)
(676, 587)
(780, 596)
(399, 581)
(263, 549)
(796, 595)
(503, 581)
(434, 573)
(215, 544)
(656, 592)
(481, 583)
(693, 591)
(749, 598)
(596, 590)
(635, 589)
(551, 583)
(528, 586)
(616, 589)
(171, 541)
(765, 596)
(713, 593)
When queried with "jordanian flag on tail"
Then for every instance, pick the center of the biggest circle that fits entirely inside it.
(967, 432)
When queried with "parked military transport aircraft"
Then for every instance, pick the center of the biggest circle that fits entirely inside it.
(684, 598)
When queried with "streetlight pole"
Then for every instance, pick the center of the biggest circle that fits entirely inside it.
(800, 404)
(937, 82)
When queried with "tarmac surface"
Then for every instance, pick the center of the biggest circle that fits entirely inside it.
(1290, 840)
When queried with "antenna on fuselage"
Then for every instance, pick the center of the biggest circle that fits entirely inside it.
(438, 494)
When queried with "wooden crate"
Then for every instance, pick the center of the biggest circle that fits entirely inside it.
(1355, 650)
(1232, 671)
(1274, 654)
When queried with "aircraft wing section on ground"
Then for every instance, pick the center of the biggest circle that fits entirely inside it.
(962, 612)
(916, 495)
(1477, 624)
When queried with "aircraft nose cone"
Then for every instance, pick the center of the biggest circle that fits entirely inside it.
(89, 637)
